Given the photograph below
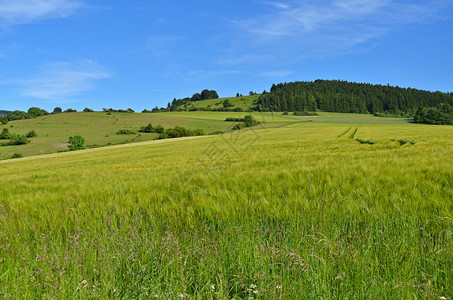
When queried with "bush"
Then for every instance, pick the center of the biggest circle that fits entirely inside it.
(4, 120)
(31, 134)
(69, 110)
(234, 119)
(17, 139)
(57, 110)
(178, 131)
(159, 129)
(148, 128)
(227, 103)
(125, 131)
(16, 155)
(87, 109)
(249, 121)
(76, 142)
(5, 134)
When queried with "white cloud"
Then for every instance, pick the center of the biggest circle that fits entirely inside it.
(313, 27)
(58, 81)
(13, 12)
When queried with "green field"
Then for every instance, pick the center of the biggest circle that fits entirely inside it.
(99, 129)
(296, 208)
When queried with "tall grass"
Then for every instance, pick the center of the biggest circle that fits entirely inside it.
(289, 213)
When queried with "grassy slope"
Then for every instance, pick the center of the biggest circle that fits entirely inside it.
(300, 211)
(245, 102)
(100, 129)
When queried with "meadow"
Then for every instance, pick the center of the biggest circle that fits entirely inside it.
(100, 129)
(295, 209)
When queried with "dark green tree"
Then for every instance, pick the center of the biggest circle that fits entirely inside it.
(76, 142)
(57, 110)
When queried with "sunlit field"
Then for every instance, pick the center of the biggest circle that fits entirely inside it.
(350, 208)
(100, 129)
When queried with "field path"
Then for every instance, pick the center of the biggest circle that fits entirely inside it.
(104, 148)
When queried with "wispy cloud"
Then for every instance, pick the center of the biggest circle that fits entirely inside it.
(314, 28)
(59, 81)
(13, 12)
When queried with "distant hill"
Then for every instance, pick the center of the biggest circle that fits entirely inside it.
(348, 97)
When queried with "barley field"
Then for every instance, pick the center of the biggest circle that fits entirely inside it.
(346, 209)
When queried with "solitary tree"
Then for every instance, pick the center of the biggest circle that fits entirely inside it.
(76, 142)
(4, 120)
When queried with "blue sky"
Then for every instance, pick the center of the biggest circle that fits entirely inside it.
(141, 54)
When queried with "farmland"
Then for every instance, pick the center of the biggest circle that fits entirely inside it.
(295, 209)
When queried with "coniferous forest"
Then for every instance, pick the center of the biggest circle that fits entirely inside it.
(348, 97)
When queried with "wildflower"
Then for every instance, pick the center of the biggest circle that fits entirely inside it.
(212, 286)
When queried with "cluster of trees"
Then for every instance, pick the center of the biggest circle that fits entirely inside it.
(174, 132)
(34, 112)
(150, 129)
(15, 139)
(442, 114)
(347, 97)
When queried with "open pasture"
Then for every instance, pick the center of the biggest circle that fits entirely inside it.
(297, 211)
(99, 129)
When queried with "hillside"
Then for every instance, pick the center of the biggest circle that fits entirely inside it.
(348, 97)
(100, 129)
(309, 210)
(243, 103)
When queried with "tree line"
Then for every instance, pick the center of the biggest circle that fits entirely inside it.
(34, 112)
(348, 97)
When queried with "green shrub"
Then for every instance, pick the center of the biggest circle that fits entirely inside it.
(4, 120)
(234, 119)
(159, 129)
(249, 121)
(148, 128)
(31, 134)
(162, 136)
(125, 131)
(5, 134)
(76, 142)
(17, 139)
(16, 155)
